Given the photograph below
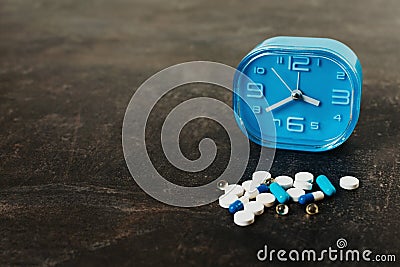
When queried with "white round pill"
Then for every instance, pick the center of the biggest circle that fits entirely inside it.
(254, 206)
(302, 185)
(267, 199)
(246, 185)
(295, 193)
(243, 218)
(259, 177)
(227, 199)
(234, 189)
(304, 177)
(349, 182)
(284, 181)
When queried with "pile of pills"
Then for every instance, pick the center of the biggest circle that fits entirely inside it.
(249, 199)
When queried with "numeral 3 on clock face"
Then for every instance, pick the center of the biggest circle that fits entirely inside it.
(340, 97)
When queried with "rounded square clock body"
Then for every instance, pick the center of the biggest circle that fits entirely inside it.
(311, 87)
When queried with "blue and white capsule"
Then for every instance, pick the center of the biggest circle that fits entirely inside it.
(311, 197)
(258, 190)
(325, 185)
(238, 204)
(281, 195)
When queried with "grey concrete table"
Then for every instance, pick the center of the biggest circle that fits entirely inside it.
(67, 72)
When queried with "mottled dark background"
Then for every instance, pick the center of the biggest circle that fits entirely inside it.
(67, 72)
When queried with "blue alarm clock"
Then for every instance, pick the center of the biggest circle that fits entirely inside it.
(310, 86)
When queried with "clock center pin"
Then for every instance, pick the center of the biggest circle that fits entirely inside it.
(296, 94)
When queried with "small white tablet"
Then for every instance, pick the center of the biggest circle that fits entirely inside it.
(267, 199)
(243, 218)
(234, 189)
(254, 206)
(304, 177)
(295, 193)
(227, 199)
(284, 181)
(349, 182)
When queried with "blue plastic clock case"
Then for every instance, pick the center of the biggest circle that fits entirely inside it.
(326, 73)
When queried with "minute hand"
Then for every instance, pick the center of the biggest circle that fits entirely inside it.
(282, 80)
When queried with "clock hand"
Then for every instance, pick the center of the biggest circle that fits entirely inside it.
(280, 103)
(280, 78)
(310, 100)
(295, 95)
(306, 99)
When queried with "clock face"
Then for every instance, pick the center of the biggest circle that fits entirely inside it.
(310, 96)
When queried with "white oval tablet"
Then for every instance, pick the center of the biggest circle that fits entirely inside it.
(259, 177)
(254, 206)
(304, 177)
(243, 218)
(234, 189)
(227, 199)
(267, 199)
(284, 181)
(349, 182)
(295, 193)
(246, 185)
(302, 185)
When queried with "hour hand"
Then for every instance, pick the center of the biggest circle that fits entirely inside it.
(310, 100)
(280, 103)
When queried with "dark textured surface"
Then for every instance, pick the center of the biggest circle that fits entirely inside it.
(67, 72)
